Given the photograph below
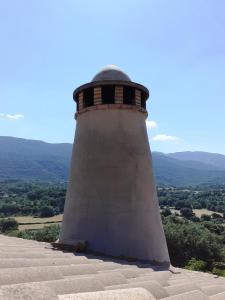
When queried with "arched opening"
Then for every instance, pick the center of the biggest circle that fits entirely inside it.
(143, 100)
(128, 95)
(88, 97)
(108, 94)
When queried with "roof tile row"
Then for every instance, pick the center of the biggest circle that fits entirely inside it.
(34, 270)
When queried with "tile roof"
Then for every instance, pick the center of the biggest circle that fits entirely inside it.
(34, 270)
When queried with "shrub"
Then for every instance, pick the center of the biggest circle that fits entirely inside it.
(8, 224)
(47, 234)
(196, 265)
(205, 217)
(186, 212)
(218, 272)
(195, 219)
(187, 240)
(166, 212)
(216, 216)
(46, 211)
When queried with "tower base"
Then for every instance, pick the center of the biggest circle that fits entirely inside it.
(111, 199)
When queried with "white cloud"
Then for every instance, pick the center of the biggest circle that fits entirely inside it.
(164, 137)
(151, 124)
(13, 117)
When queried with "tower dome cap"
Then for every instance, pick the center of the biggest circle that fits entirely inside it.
(111, 72)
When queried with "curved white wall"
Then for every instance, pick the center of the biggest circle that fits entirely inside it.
(111, 199)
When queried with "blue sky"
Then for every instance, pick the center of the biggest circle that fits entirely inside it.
(175, 48)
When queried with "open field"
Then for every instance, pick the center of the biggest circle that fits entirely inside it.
(203, 211)
(30, 222)
(198, 212)
(34, 220)
(35, 226)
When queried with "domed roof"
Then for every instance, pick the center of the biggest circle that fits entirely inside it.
(111, 72)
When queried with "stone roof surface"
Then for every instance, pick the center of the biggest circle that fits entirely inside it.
(34, 270)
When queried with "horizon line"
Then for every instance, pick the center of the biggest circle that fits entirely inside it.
(71, 143)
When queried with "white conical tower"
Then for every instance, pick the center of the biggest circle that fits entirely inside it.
(111, 200)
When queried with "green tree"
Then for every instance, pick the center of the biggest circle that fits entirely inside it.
(46, 211)
(186, 212)
(8, 224)
(205, 217)
(166, 212)
(216, 216)
(196, 265)
(218, 272)
(47, 234)
(187, 240)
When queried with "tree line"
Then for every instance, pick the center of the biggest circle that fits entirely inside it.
(18, 198)
(208, 197)
(197, 243)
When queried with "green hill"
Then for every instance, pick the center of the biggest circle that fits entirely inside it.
(215, 160)
(37, 160)
(30, 159)
(171, 171)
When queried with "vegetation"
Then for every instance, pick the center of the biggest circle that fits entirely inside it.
(18, 198)
(196, 265)
(188, 240)
(211, 198)
(7, 225)
(46, 234)
(218, 271)
(195, 241)
(37, 160)
(170, 171)
(33, 160)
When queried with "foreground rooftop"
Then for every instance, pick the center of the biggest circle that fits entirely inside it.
(34, 270)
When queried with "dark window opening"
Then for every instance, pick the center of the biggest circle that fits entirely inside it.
(128, 95)
(88, 97)
(108, 94)
(143, 100)
(77, 105)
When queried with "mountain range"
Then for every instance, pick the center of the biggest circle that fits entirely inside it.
(37, 160)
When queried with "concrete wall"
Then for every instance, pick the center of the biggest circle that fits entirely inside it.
(111, 199)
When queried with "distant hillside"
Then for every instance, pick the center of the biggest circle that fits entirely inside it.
(171, 171)
(31, 159)
(214, 159)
